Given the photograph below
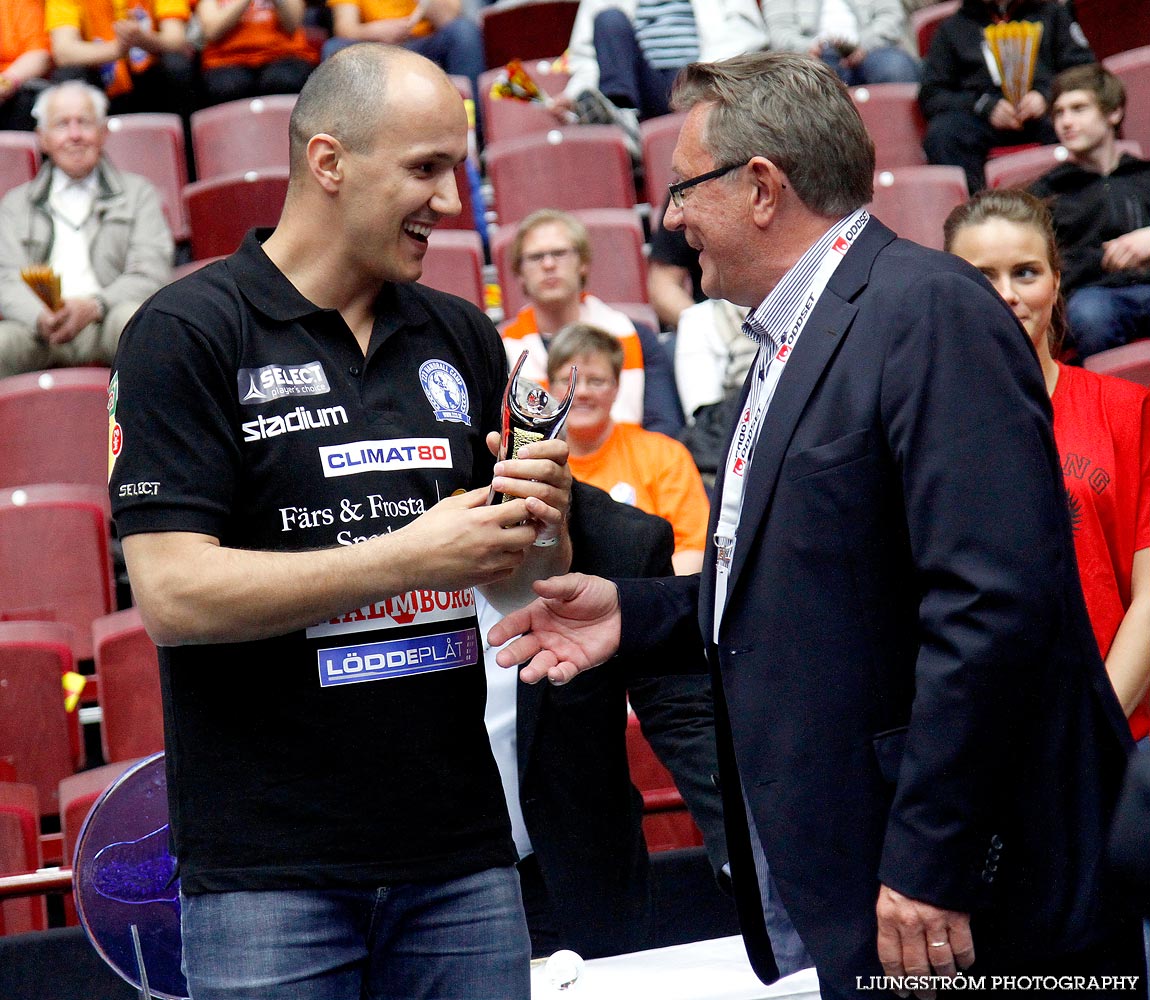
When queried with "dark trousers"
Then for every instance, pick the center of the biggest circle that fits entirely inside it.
(16, 112)
(625, 76)
(233, 83)
(963, 139)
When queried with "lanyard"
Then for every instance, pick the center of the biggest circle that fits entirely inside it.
(765, 374)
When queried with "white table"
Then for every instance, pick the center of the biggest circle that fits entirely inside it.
(702, 970)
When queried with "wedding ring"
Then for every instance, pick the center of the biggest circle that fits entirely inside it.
(939, 944)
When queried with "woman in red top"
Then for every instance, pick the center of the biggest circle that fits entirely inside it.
(1101, 427)
(252, 48)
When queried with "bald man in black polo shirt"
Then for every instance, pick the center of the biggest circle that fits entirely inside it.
(317, 429)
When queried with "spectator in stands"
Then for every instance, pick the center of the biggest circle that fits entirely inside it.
(1101, 428)
(551, 256)
(961, 97)
(24, 61)
(712, 358)
(674, 277)
(436, 29)
(864, 42)
(1100, 200)
(253, 47)
(136, 50)
(102, 231)
(643, 468)
(562, 755)
(625, 54)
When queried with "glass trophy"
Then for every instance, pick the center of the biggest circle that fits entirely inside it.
(530, 413)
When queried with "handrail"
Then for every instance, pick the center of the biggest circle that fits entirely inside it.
(37, 883)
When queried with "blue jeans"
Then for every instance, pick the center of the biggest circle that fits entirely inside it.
(1101, 318)
(625, 76)
(886, 64)
(465, 939)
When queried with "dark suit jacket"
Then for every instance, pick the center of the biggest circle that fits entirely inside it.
(582, 812)
(905, 674)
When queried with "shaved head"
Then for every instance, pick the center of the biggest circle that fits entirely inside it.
(346, 97)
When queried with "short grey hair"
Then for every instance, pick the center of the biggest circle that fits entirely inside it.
(793, 110)
(94, 94)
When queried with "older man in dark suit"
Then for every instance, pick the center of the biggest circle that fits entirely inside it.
(915, 730)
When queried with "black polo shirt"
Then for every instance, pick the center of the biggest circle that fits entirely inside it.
(353, 752)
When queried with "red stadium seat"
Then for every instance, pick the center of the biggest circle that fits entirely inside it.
(528, 29)
(38, 737)
(55, 564)
(658, 137)
(666, 823)
(466, 217)
(925, 21)
(242, 135)
(19, 159)
(505, 118)
(618, 268)
(1113, 28)
(222, 209)
(582, 166)
(1131, 362)
(152, 145)
(55, 427)
(454, 263)
(132, 722)
(1133, 69)
(77, 794)
(915, 201)
(892, 116)
(1023, 168)
(19, 854)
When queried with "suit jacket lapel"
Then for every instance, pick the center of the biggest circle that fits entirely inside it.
(816, 346)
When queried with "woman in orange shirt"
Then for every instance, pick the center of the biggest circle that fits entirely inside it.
(24, 61)
(252, 48)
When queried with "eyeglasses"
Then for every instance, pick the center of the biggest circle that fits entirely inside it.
(596, 383)
(676, 190)
(559, 256)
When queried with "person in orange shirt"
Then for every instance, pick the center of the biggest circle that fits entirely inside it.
(437, 29)
(24, 61)
(136, 50)
(253, 47)
(643, 468)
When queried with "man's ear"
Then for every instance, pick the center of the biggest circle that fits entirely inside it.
(769, 183)
(325, 160)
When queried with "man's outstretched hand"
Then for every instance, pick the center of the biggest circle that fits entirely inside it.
(573, 625)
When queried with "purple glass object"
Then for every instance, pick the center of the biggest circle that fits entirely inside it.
(125, 878)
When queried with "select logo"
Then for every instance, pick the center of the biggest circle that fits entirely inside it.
(262, 385)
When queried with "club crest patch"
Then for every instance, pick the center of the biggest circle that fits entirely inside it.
(445, 391)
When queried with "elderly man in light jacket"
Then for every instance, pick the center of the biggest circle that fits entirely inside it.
(101, 231)
(624, 54)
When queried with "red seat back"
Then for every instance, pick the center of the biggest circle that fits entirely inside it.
(55, 563)
(127, 664)
(222, 209)
(583, 166)
(19, 159)
(892, 116)
(152, 145)
(915, 201)
(55, 427)
(251, 134)
(37, 737)
(454, 263)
